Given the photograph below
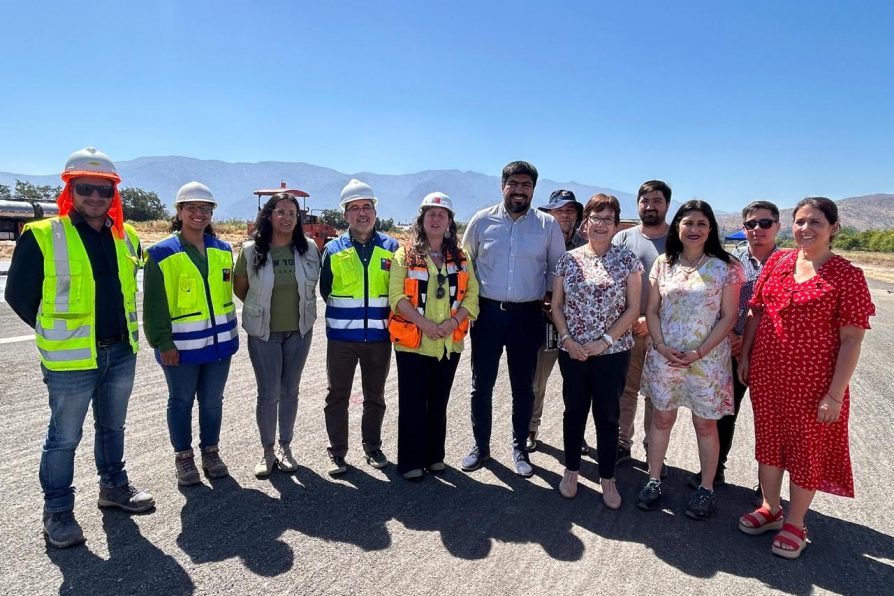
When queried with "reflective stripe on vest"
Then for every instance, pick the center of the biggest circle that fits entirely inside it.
(65, 330)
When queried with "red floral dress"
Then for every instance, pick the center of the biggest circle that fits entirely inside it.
(792, 362)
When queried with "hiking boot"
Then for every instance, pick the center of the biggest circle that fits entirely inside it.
(376, 459)
(701, 504)
(212, 464)
(127, 497)
(337, 465)
(185, 465)
(265, 467)
(623, 455)
(61, 529)
(284, 459)
(522, 465)
(650, 495)
(695, 480)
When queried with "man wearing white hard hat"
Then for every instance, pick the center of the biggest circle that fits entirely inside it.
(434, 295)
(354, 283)
(190, 320)
(73, 279)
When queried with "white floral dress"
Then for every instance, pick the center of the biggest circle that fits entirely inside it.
(690, 307)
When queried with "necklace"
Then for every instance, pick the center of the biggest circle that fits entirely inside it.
(689, 269)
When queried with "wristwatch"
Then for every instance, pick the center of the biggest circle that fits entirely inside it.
(607, 339)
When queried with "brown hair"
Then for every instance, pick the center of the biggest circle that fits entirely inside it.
(599, 202)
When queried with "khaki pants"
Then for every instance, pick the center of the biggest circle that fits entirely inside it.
(546, 361)
(630, 397)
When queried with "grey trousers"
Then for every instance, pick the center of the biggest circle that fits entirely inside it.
(278, 364)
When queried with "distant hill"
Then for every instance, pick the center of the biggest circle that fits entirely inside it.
(399, 195)
(868, 212)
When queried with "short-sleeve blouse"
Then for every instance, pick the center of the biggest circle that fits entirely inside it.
(596, 292)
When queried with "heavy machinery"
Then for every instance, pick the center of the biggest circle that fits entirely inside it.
(320, 232)
(15, 214)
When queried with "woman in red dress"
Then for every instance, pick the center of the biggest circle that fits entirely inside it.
(808, 315)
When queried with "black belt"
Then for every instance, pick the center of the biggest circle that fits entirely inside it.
(105, 343)
(510, 305)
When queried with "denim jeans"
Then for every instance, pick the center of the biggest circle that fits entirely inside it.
(522, 333)
(278, 364)
(185, 383)
(107, 388)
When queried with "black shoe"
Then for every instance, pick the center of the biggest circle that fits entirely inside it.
(127, 497)
(623, 455)
(585, 449)
(62, 529)
(337, 465)
(650, 495)
(376, 459)
(531, 442)
(695, 480)
(474, 460)
(702, 504)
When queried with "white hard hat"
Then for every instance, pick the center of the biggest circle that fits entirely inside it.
(194, 192)
(355, 191)
(89, 161)
(437, 199)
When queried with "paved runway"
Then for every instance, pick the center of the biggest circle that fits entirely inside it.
(371, 532)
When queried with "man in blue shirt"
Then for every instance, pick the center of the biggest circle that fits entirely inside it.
(515, 249)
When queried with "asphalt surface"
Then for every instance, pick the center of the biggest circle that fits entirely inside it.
(371, 532)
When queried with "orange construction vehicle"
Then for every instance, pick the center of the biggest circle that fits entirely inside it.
(320, 232)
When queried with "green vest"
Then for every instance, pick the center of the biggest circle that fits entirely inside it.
(66, 320)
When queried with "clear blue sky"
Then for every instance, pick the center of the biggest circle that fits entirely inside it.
(774, 100)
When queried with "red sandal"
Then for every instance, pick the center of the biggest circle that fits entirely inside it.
(793, 537)
(761, 520)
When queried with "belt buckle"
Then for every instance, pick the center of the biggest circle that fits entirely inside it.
(503, 306)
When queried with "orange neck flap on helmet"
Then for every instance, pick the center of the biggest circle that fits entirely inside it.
(116, 211)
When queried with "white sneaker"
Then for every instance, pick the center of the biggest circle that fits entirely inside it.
(284, 458)
(265, 466)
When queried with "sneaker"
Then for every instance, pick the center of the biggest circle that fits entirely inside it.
(337, 465)
(701, 504)
(474, 460)
(127, 497)
(376, 459)
(185, 466)
(649, 496)
(436, 467)
(284, 458)
(531, 442)
(265, 467)
(62, 529)
(414, 474)
(522, 465)
(623, 455)
(695, 480)
(213, 464)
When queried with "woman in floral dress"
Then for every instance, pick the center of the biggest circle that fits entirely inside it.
(808, 315)
(693, 304)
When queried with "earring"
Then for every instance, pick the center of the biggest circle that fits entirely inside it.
(447, 234)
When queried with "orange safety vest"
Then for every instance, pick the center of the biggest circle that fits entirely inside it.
(406, 333)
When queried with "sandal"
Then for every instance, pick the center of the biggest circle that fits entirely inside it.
(761, 520)
(790, 541)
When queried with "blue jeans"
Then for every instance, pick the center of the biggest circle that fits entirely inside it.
(185, 383)
(521, 332)
(107, 388)
(278, 364)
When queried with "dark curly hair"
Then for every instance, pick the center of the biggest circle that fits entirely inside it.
(713, 247)
(263, 231)
(419, 243)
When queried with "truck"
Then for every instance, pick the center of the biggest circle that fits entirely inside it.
(15, 214)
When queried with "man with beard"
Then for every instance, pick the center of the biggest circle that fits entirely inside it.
(647, 242)
(568, 212)
(515, 249)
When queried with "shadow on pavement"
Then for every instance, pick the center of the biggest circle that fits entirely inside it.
(135, 565)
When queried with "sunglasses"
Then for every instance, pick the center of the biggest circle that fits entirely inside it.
(442, 279)
(104, 191)
(765, 223)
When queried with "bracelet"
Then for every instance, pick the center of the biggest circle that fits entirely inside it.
(659, 345)
(837, 401)
(563, 337)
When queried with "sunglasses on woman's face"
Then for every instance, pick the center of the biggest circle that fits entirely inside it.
(765, 223)
(105, 191)
(442, 279)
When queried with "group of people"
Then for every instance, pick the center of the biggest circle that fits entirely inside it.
(661, 310)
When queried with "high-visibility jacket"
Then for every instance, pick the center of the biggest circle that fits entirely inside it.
(406, 333)
(203, 316)
(66, 319)
(357, 307)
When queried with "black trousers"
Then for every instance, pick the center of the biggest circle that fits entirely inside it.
(597, 384)
(423, 390)
(726, 426)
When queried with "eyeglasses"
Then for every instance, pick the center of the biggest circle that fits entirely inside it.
(203, 209)
(105, 191)
(284, 213)
(765, 223)
(364, 209)
(442, 279)
(606, 221)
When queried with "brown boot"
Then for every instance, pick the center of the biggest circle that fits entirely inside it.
(212, 464)
(185, 464)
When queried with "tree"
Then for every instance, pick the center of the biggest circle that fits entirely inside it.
(142, 205)
(5, 193)
(386, 225)
(25, 191)
(335, 218)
